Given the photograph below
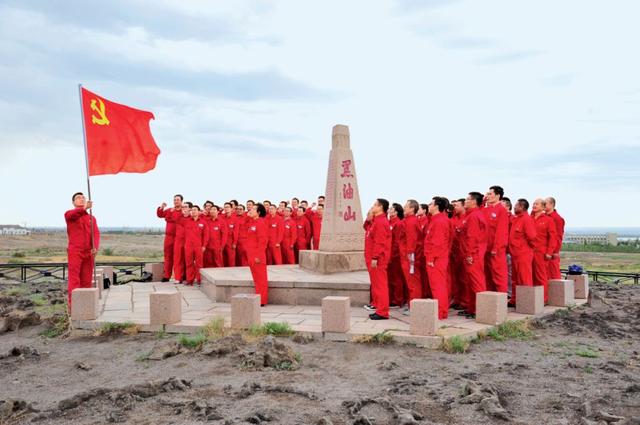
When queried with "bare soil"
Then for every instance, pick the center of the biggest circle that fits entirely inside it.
(582, 367)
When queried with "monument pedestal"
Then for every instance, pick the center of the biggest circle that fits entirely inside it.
(332, 262)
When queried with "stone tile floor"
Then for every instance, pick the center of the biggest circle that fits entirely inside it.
(130, 303)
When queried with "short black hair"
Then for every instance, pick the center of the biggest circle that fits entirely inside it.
(524, 203)
(321, 196)
(262, 211)
(215, 207)
(250, 200)
(284, 202)
(189, 204)
(295, 199)
(289, 208)
(508, 201)
(413, 204)
(399, 210)
(196, 207)
(180, 196)
(208, 203)
(300, 207)
(441, 202)
(384, 204)
(234, 202)
(320, 205)
(73, 198)
(305, 201)
(424, 207)
(227, 203)
(241, 206)
(265, 202)
(498, 190)
(478, 197)
(461, 200)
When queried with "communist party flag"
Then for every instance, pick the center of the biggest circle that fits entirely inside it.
(119, 139)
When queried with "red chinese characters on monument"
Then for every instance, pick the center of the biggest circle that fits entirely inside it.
(347, 191)
(349, 214)
(346, 168)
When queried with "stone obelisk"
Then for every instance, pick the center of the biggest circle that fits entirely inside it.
(342, 235)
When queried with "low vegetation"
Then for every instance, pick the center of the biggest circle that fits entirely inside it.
(114, 329)
(381, 338)
(456, 345)
(512, 329)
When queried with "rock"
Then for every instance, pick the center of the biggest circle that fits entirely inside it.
(324, 421)
(22, 352)
(388, 365)
(17, 319)
(223, 346)
(406, 419)
(269, 353)
(10, 408)
(608, 417)
(165, 351)
(302, 338)
(83, 366)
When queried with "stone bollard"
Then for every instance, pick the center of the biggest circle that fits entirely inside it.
(165, 307)
(245, 311)
(84, 304)
(561, 293)
(530, 300)
(336, 314)
(424, 317)
(491, 307)
(580, 285)
(156, 270)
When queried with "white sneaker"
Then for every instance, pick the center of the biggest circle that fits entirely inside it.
(369, 307)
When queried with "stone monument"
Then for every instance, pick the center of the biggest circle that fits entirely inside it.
(342, 235)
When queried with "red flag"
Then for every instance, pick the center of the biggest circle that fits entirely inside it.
(119, 139)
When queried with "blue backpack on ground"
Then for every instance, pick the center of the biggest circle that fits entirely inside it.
(575, 269)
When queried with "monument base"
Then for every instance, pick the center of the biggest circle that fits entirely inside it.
(332, 262)
(288, 284)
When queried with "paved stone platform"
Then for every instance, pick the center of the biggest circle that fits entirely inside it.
(130, 303)
(288, 284)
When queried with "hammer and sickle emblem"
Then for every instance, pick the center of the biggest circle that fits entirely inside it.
(102, 117)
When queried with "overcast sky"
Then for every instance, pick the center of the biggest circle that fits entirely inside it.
(441, 97)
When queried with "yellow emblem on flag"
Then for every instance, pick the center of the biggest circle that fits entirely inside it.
(102, 119)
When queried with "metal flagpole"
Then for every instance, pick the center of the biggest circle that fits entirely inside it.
(86, 159)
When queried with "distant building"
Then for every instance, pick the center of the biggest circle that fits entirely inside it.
(604, 238)
(13, 230)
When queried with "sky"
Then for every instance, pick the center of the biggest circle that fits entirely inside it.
(442, 97)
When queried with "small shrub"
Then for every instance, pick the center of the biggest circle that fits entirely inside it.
(107, 251)
(59, 325)
(161, 334)
(588, 369)
(192, 341)
(381, 338)
(456, 345)
(17, 291)
(587, 352)
(38, 300)
(214, 329)
(277, 329)
(18, 254)
(512, 329)
(112, 329)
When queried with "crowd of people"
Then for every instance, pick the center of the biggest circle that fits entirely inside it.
(445, 250)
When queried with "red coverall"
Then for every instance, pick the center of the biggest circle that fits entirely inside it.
(495, 266)
(473, 243)
(377, 246)
(170, 215)
(522, 239)
(241, 250)
(80, 259)
(316, 226)
(554, 263)
(456, 264)
(232, 240)
(179, 266)
(289, 238)
(437, 244)
(275, 230)
(303, 232)
(217, 240)
(196, 237)
(394, 270)
(423, 222)
(256, 248)
(545, 245)
(411, 244)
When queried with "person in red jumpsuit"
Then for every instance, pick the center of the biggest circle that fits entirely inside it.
(205, 216)
(522, 239)
(303, 233)
(275, 230)
(170, 215)
(554, 263)
(377, 252)
(410, 244)
(458, 293)
(473, 244)
(230, 220)
(289, 237)
(315, 219)
(80, 253)
(281, 206)
(241, 251)
(394, 269)
(196, 238)
(179, 264)
(437, 244)
(217, 238)
(495, 260)
(295, 203)
(545, 245)
(256, 250)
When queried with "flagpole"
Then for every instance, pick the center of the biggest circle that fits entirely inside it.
(86, 160)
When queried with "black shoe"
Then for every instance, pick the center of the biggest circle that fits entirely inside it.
(376, 316)
(456, 307)
(370, 307)
(511, 304)
(262, 305)
(463, 313)
(165, 279)
(470, 316)
(394, 306)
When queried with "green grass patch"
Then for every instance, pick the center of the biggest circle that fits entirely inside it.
(381, 338)
(588, 369)
(587, 352)
(18, 254)
(51, 309)
(512, 329)
(161, 334)
(214, 329)
(112, 328)
(108, 252)
(456, 345)
(192, 341)
(59, 325)
(17, 291)
(271, 328)
(38, 300)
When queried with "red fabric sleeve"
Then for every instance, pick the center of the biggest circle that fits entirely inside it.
(551, 240)
(96, 234)
(502, 230)
(74, 214)
(411, 231)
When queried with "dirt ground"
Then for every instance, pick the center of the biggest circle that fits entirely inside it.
(581, 367)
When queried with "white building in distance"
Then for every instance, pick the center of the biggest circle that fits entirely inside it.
(603, 238)
(13, 230)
